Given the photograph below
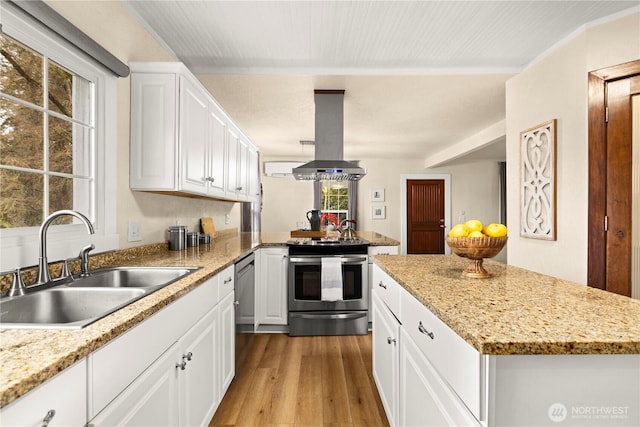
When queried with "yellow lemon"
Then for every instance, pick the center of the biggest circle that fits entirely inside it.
(473, 225)
(476, 233)
(496, 230)
(459, 230)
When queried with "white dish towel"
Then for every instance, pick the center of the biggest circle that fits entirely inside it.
(331, 279)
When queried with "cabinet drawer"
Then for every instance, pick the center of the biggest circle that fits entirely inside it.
(387, 289)
(65, 394)
(454, 359)
(227, 282)
(131, 353)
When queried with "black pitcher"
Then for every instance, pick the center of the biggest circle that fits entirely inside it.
(314, 219)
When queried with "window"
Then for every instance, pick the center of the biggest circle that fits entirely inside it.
(335, 201)
(46, 123)
(57, 143)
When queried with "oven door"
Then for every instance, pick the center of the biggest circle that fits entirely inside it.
(305, 278)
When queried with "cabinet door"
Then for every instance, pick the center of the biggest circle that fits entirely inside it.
(66, 394)
(385, 349)
(217, 146)
(233, 141)
(226, 344)
(271, 305)
(197, 380)
(194, 131)
(424, 399)
(243, 170)
(153, 163)
(151, 400)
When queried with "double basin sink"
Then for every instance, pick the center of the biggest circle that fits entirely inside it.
(74, 304)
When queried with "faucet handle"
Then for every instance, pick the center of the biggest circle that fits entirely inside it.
(17, 286)
(65, 272)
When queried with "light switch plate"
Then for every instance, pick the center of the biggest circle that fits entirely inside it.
(135, 232)
(227, 218)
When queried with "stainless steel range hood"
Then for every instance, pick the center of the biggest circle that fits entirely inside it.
(329, 141)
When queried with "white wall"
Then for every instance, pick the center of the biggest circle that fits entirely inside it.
(556, 87)
(112, 26)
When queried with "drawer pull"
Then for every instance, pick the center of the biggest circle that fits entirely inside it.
(47, 418)
(391, 340)
(383, 286)
(227, 280)
(187, 356)
(423, 330)
(182, 365)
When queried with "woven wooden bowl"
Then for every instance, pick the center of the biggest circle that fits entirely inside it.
(476, 249)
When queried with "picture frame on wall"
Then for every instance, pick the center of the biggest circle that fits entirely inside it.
(377, 195)
(378, 212)
(538, 181)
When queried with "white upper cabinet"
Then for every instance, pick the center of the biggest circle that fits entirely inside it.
(182, 141)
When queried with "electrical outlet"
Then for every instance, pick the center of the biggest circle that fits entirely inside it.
(227, 218)
(135, 232)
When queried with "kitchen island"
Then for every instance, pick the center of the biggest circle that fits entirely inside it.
(518, 348)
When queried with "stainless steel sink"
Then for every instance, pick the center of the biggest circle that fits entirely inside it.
(76, 304)
(131, 277)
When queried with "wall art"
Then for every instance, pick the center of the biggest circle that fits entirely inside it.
(538, 182)
(378, 212)
(377, 195)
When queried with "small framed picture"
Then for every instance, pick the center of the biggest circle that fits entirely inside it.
(378, 212)
(377, 195)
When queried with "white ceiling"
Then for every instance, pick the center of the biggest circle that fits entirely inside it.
(419, 76)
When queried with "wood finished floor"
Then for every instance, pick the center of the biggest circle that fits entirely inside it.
(320, 381)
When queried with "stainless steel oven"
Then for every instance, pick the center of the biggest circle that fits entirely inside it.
(308, 313)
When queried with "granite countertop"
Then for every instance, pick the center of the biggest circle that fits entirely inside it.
(517, 311)
(28, 357)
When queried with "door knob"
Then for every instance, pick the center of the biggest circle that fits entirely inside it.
(620, 233)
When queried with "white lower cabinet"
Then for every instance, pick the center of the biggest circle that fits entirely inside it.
(413, 378)
(271, 286)
(425, 399)
(184, 384)
(386, 350)
(59, 400)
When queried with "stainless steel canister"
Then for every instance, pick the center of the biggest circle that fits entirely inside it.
(177, 238)
(193, 239)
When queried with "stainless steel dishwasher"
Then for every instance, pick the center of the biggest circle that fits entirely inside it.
(245, 294)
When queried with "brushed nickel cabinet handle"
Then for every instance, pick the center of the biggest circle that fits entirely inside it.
(423, 330)
(383, 286)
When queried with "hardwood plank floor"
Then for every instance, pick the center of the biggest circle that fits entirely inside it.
(323, 381)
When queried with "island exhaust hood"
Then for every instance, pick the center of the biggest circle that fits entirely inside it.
(329, 142)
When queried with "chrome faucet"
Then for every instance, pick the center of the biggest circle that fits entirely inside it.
(44, 275)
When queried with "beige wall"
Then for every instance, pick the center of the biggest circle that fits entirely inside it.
(112, 26)
(474, 188)
(556, 87)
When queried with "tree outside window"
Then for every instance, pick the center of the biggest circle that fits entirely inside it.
(335, 200)
(46, 134)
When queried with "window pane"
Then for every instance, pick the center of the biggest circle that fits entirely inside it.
(60, 145)
(21, 142)
(60, 195)
(20, 71)
(20, 199)
(60, 93)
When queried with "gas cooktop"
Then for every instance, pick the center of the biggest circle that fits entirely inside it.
(305, 246)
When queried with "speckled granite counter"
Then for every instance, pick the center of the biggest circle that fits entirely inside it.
(518, 311)
(30, 357)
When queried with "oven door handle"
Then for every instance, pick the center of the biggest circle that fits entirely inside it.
(331, 316)
(316, 260)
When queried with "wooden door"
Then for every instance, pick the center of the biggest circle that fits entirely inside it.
(425, 216)
(610, 172)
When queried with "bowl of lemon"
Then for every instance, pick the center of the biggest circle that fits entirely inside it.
(475, 241)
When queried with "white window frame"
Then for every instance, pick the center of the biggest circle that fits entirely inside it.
(19, 246)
